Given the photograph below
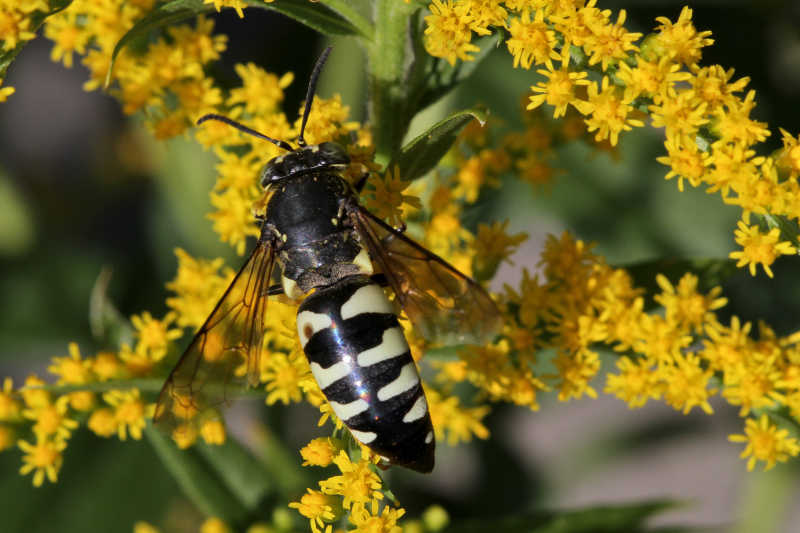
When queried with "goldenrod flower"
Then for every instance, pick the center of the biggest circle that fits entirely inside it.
(10, 407)
(319, 452)
(358, 484)
(560, 89)
(687, 383)
(610, 112)
(43, 459)
(686, 307)
(261, 92)
(198, 285)
(154, 335)
(611, 42)
(214, 525)
(531, 41)
(636, 383)
(283, 375)
(449, 31)
(458, 423)
(375, 521)
(685, 161)
(238, 5)
(144, 527)
(66, 32)
(130, 412)
(493, 246)
(5, 92)
(760, 248)
(765, 442)
(52, 420)
(213, 431)
(387, 199)
(318, 508)
(681, 40)
(103, 422)
(106, 366)
(32, 393)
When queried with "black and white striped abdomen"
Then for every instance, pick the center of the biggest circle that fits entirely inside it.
(361, 360)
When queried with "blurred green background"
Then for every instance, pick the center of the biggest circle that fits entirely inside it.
(83, 188)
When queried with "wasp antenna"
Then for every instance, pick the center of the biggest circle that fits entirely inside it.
(245, 129)
(312, 86)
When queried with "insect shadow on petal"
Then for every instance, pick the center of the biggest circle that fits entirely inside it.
(325, 244)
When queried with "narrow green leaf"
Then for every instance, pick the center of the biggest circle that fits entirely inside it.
(352, 15)
(318, 17)
(423, 153)
(164, 15)
(626, 518)
(243, 474)
(108, 326)
(198, 479)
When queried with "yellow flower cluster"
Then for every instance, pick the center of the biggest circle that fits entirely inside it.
(52, 417)
(357, 490)
(594, 65)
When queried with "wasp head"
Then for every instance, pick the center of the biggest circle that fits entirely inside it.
(303, 160)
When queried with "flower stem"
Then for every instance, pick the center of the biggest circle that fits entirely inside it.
(387, 77)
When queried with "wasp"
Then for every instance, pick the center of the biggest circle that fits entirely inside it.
(327, 246)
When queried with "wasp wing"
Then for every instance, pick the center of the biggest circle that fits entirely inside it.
(224, 353)
(443, 303)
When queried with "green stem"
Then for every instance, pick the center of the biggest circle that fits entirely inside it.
(389, 114)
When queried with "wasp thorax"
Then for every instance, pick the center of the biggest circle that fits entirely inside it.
(305, 159)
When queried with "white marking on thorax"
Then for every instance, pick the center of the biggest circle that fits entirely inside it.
(332, 374)
(407, 379)
(393, 344)
(309, 322)
(364, 436)
(346, 411)
(366, 299)
(417, 410)
(290, 288)
(429, 437)
(364, 263)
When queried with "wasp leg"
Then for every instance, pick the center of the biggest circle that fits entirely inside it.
(361, 182)
(274, 290)
(380, 279)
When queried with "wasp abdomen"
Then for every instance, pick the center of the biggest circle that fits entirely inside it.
(361, 360)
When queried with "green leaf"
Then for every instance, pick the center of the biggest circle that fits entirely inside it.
(199, 479)
(423, 153)
(626, 518)
(316, 17)
(108, 326)
(352, 15)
